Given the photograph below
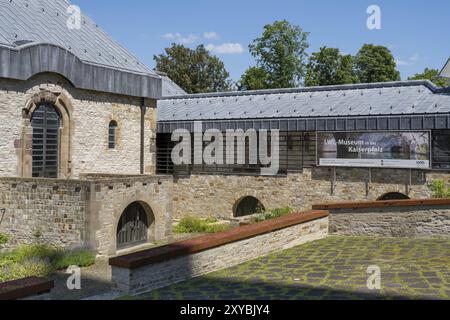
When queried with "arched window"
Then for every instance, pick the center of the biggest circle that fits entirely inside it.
(45, 149)
(393, 196)
(248, 206)
(112, 135)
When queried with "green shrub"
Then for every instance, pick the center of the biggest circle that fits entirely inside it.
(33, 251)
(440, 189)
(77, 257)
(196, 225)
(25, 252)
(216, 228)
(31, 267)
(3, 239)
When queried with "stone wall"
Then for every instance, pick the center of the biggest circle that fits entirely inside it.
(110, 197)
(47, 211)
(146, 271)
(214, 195)
(408, 218)
(84, 130)
(74, 213)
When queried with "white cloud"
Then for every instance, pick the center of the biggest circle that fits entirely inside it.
(211, 35)
(414, 58)
(226, 48)
(401, 62)
(407, 62)
(178, 38)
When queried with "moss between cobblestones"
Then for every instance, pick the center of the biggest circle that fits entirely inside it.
(333, 268)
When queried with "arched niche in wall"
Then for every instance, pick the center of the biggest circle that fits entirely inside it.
(247, 206)
(393, 196)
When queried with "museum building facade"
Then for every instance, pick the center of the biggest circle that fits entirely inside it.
(86, 150)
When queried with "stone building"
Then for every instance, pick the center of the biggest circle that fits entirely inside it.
(390, 116)
(78, 118)
(86, 158)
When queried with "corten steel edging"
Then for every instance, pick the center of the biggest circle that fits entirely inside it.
(381, 204)
(24, 288)
(200, 244)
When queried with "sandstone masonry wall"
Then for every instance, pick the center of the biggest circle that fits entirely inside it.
(110, 197)
(48, 211)
(213, 195)
(74, 213)
(417, 221)
(89, 114)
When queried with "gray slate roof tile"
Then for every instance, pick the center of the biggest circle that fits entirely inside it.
(395, 98)
(45, 21)
(446, 70)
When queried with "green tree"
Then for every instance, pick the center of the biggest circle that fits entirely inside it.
(254, 78)
(376, 64)
(430, 74)
(329, 67)
(281, 53)
(195, 71)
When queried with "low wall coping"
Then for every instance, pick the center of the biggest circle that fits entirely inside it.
(83, 180)
(380, 204)
(188, 247)
(23, 288)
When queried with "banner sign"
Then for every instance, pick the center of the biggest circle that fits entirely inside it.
(374, 149)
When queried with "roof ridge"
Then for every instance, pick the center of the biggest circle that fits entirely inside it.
(360, 86)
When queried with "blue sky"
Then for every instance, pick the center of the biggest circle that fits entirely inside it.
(416, 31)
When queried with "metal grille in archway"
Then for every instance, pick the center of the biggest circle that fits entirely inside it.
(45, 123)
(133, 227)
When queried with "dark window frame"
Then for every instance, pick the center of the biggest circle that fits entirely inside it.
(45, 122)
(112, 135)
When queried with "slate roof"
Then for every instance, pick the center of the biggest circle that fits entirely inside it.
(34, 38)
(445, 72)
(45, 21)
(170, 88)
(392, 98)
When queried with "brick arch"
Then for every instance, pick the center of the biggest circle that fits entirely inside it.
(62, 103)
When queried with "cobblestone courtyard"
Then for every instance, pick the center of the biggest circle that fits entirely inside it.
(333, 268)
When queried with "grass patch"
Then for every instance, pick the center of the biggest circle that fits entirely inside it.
(273, 214)
(78, 257)
(41, 261)
(30, 267)
(196, 225)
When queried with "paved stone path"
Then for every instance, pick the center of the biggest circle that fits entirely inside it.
(333, 268)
